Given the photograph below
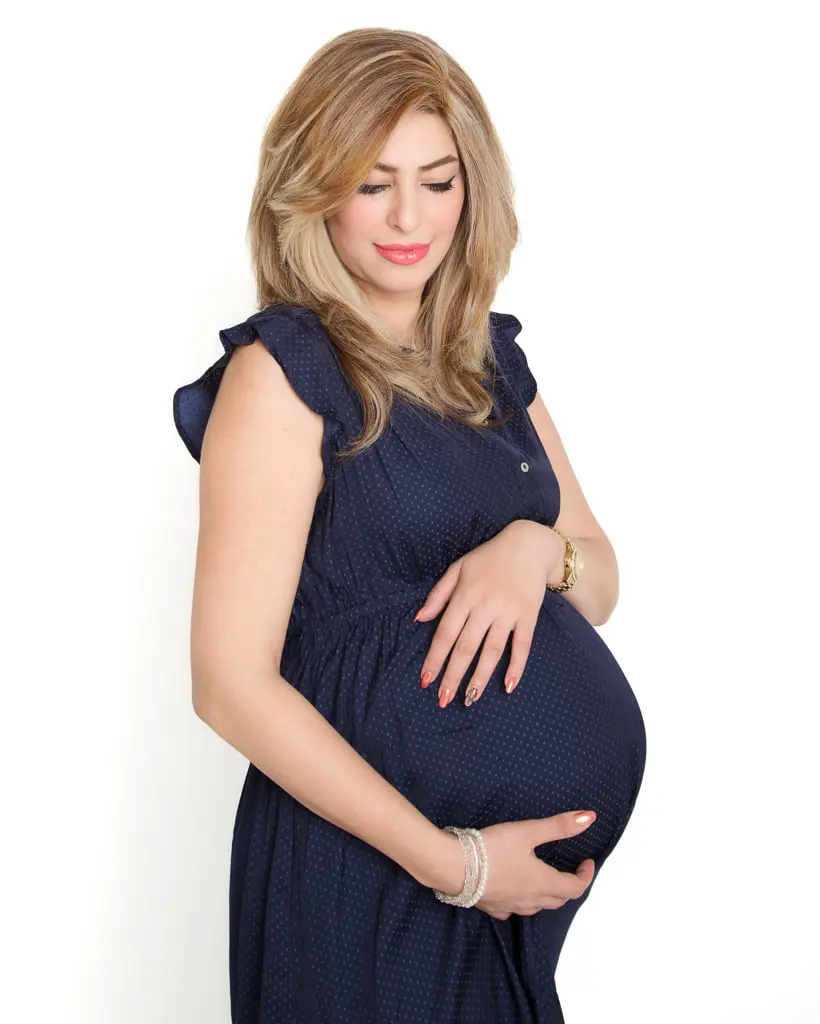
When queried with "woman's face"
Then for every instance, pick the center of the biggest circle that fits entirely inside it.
(404, 206)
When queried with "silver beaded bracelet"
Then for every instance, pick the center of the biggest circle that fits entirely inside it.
(475, 859)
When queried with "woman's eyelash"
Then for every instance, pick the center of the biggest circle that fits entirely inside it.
(434, 186)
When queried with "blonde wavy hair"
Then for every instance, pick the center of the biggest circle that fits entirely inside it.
(320, 144)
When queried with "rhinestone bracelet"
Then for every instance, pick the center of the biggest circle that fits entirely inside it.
(475, 858)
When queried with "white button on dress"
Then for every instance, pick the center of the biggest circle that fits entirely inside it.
(525, 466)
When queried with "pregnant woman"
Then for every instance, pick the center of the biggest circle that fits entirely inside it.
(398, 578)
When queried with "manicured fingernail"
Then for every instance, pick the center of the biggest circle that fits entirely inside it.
(419, 612)
(583, 817)
(472, 696)
(511, 684)
(426, 678)
(444, 698)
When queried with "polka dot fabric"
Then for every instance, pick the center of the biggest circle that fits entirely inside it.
(324, 929)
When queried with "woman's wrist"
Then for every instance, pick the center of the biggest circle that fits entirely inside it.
(444, 869)
(554, 548)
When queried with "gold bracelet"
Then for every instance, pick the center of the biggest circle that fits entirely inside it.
(572, 565)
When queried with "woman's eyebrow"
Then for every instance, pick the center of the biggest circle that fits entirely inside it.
(426, 167)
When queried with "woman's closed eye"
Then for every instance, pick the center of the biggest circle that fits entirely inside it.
(434, 186)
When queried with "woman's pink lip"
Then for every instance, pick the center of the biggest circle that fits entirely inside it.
(403, 255)
(403, 248)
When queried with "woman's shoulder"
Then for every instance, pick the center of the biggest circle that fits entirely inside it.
(283, 319)
(295, 338)
(506, 325)
(510, 356)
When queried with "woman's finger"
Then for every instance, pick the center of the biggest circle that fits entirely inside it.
(463, 652)
(521, 644)
(491, 650)
(447, 633)
(458, 638)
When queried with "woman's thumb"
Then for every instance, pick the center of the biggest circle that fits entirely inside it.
(563, 826)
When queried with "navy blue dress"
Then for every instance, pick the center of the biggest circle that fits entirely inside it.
(325, 929)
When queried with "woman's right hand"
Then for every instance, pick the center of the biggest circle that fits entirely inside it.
(518, 881)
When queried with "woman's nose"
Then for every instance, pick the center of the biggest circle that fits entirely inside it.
(405, 211)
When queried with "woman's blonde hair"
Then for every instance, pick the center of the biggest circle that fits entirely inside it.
(320, 144)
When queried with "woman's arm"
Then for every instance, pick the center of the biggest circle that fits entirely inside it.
(283, 734)
(260, 472)
(596, 592)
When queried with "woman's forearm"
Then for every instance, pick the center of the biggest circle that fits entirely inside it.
(282, 733)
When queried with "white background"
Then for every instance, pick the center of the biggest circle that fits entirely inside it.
(667, 166)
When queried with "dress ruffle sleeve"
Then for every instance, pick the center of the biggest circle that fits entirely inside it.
(302, 350)
(513, 359)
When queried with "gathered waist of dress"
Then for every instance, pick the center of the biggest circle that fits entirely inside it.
(304, 618)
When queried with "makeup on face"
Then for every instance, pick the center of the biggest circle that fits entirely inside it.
(402, 216)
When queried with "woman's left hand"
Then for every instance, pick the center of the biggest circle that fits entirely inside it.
(495, 589)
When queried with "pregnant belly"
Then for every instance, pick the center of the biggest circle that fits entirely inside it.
(570, 736)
